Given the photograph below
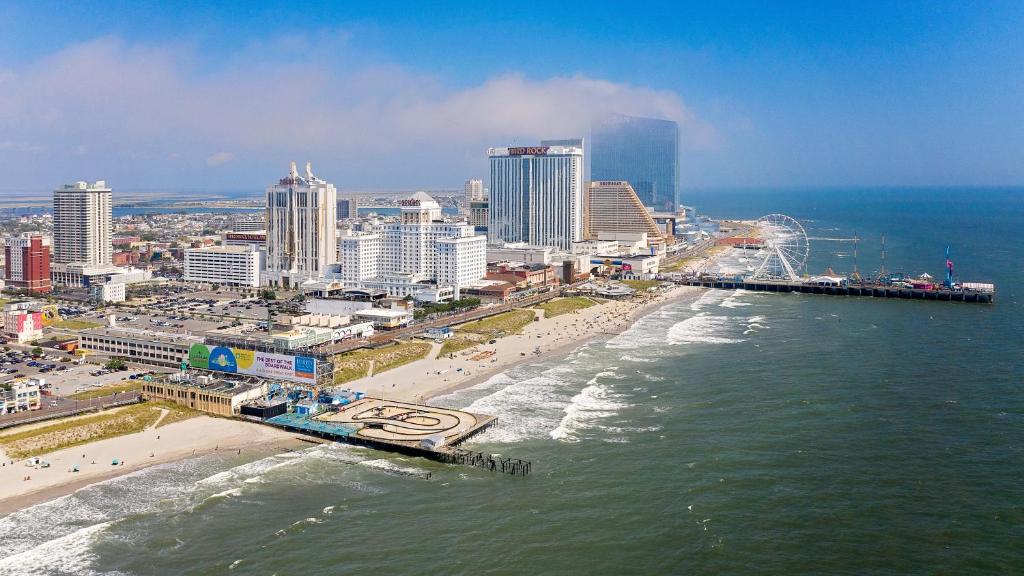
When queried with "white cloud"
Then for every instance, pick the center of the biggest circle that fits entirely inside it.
(12, 146)
(220, 158)
(144, 104)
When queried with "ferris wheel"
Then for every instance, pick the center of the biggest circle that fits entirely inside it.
(785, 250)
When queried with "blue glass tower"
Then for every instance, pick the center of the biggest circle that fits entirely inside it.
(641, 151)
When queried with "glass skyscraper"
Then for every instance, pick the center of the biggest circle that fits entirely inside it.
(641, 151)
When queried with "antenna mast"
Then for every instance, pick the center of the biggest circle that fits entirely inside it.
(881, 272)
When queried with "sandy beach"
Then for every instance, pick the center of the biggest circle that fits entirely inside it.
(424, 379)
(22, 485)
(195, 436)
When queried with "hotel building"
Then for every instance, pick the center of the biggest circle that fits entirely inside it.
(612, 207)
(536, 195)
(302, 237)
(641, 151)
(359, 256)
(27, 260)
(421, 249)
(227, 265)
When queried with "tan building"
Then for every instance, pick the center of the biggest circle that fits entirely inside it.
(612, 207)
(207, 393)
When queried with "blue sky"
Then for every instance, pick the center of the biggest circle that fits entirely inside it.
(408, 95)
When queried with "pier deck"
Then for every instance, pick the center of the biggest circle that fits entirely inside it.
(402, 427)
(941, 295)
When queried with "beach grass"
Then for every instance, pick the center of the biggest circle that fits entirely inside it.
(75, 324)
(509, 322)
(354, 365)
(75, 432)
(559, 306)
(131, 385)
(457, 343)
(178, 414)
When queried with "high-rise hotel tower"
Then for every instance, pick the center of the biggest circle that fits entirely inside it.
(641, 151)
(536, 195)
(302, 236)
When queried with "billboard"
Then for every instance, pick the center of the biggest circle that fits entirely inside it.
(262, 364)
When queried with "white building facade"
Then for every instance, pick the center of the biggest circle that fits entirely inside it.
(82, 224)
(415, 253)
(110, 292)
(228, 265)
(461, 261)
(359, 256)
(302, 235)
(536, 195)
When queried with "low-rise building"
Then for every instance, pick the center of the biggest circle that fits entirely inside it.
(145, 346)
(226, 265)
(83, 276)
(109, 292)
(21, 323)
(206, 392)
(490, 291)
(385, 318)
(23, 395)
(524, 276)
(519, 252)
(630, 266)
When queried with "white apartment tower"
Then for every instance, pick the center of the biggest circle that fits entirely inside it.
(302, 237)
(536, 195)
(82, 224)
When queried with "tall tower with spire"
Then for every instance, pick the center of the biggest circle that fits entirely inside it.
(302, 232)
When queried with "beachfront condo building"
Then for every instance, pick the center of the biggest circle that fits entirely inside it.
(641, 151)
(302, 236)
(82, 224)
(536, 195)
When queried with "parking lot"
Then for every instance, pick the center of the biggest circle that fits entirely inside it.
(64, 378)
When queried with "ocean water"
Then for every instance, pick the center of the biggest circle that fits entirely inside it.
(735, 433)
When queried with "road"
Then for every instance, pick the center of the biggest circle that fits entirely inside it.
(441, 322)
(67, 407)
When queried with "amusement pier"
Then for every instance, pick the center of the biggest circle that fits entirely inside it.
(771, 254)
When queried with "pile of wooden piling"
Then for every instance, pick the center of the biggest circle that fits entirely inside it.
(513, 466)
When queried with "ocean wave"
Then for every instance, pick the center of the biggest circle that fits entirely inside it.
(226, 493)
(631, 358)
(709, 298)
(629, 429)
(137, 492)
(67, 554)
(593, 402)
(733, 300)
(703, 329)
(390, 467)
(525, 409)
